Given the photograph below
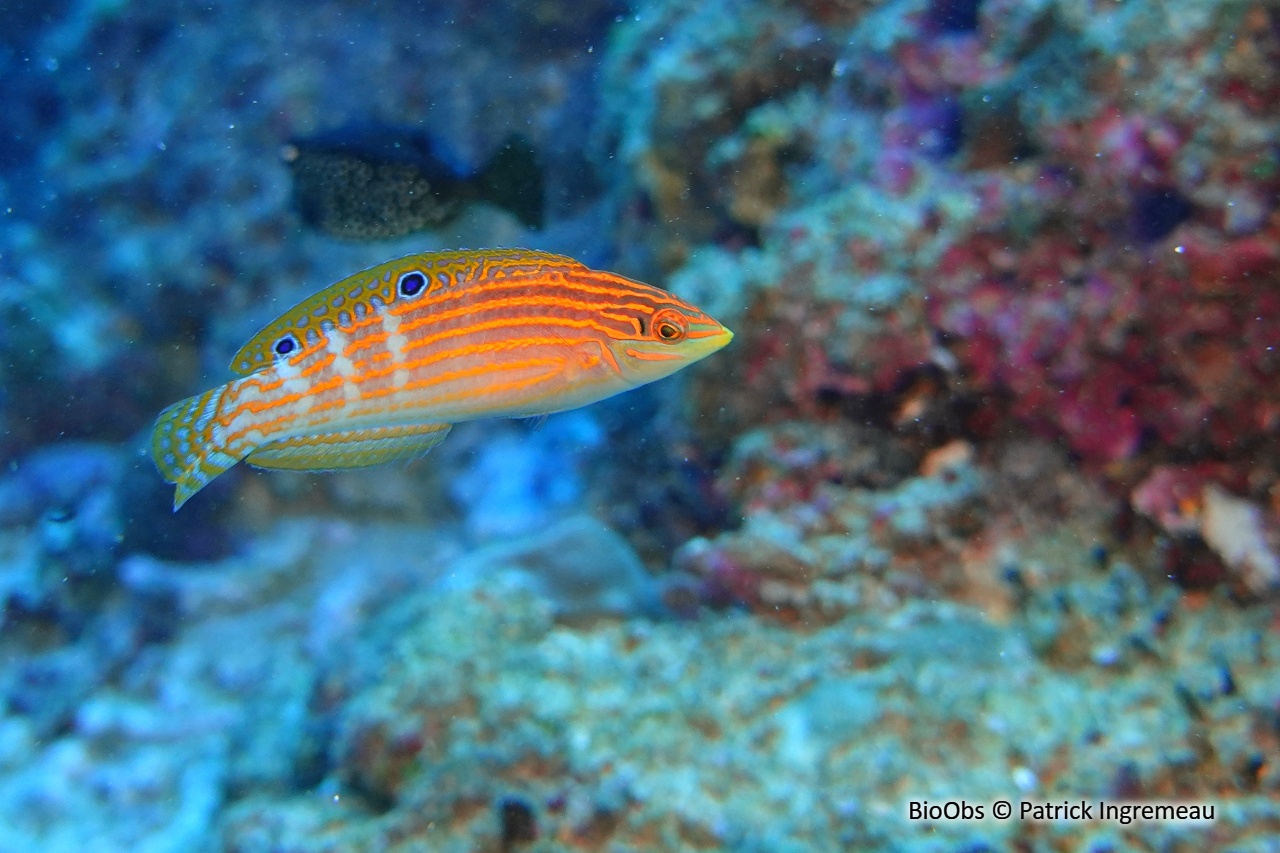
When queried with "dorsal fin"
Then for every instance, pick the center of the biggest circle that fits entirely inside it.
(365, 292)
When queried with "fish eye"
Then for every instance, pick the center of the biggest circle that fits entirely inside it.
(669, 327)
(285, 345)
(411, 283)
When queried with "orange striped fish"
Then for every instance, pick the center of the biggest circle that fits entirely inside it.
(379, 365)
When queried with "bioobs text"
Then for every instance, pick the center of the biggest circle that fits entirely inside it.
(950, 810)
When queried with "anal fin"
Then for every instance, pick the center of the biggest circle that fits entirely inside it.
(352, 448)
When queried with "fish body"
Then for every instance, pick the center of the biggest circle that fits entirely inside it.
(379, 365)
(376, 183)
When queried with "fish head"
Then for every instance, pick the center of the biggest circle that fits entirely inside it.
(668, 338)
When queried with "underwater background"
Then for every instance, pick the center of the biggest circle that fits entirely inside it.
(982, 503)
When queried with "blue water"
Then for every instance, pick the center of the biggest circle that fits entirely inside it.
(978, 508)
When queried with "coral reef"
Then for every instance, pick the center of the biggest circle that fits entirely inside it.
(377, 707)
(978, 252)
(982, 502)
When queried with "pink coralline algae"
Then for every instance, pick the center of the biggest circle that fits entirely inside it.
(1043, 223)
(1109, 346)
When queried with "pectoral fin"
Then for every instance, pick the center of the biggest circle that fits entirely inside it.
(354, 448)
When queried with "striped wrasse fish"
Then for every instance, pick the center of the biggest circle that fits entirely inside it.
(378, 366)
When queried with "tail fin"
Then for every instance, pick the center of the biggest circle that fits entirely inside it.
(185, 447)
(512, 180)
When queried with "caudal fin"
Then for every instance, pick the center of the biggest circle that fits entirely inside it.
(512, 180)
(185, 448)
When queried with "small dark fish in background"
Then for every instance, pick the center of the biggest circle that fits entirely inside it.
(375, 183)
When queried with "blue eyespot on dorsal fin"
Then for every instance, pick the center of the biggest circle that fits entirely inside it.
(350, 301)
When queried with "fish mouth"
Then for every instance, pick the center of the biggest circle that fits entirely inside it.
(647, 360)
(703, 339)
(704, 345)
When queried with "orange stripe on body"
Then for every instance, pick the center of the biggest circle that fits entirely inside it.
(258, 407)
(494, 325)
(492, 391)
(508, 305)
(254, 380)
(281, 422)
(380, 365)
(652, 356)
(478, 289)
(466, 349)
(422, 384)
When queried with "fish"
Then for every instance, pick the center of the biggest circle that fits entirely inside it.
(376, 182)
(378, 366)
